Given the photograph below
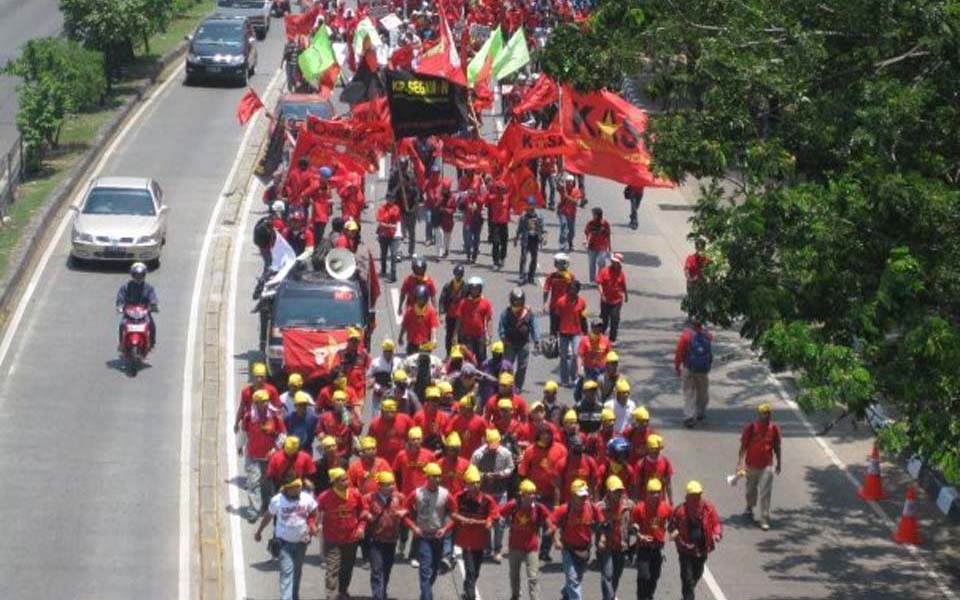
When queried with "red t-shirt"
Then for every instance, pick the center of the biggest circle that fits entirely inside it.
(408, 289)
(576, 528)
(409, 469)
(474, 315)
(598, 235)
(483, 507)
(321, 206)
(299, 465)
(365, 479)
(556, 285)
(432, 421)
(525, 523)
(593, 354)
(652, 521)
(418, 327)
(351, 204)
(585, 469)
(390, 436)
(451, 473)
(246, 396)
(612, 286)
(388, 217)
(491, 412)
(694, 265)
(499, 208)
(570, 313)
(626, 473)
(472, 432)
(262, 433)
(333, 425)
(647, 469)
(542, 467)
(569, 202)
(340, 516)
(760, 443)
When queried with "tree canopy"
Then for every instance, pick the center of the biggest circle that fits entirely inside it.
(835, 129)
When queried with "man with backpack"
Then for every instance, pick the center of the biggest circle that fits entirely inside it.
(692, 361)
(517, 328)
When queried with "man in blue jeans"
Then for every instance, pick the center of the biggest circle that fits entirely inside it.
(385, 509)
(296, 515)
(429, 518)
(570, 310)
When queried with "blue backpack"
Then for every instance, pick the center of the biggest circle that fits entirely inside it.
(699, 352)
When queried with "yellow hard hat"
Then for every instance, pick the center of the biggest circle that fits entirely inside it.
(538, 406)
(493, 436)
(623, 385)
(694, 487)
(426, 347)
(654, 442)
(505, 403)
(445, 387)
(579, 487)
(590, 384)
(259, 369)
(764, 408)
(613, 356)
(399, 375)
(432, 391)
(389, 406)
(496, 347)
(641, 414)
(453, 440)
(385, 477)
(415, 433)
(570, 416)
(368, 442)
(456, 352)
(654, 485)
(528, 487)
(506, 378)
(432, 470)
(301, 398)
(467, 400)
(341, 382)
(261, 396)
(328, 441)
(551, 386)
(336, 473)
(351, 225)
(614, 483)
(292, 483)
(607, 415)
(353, 333)
(295, 379)
(388, 345)
(340, 395)
(291, 444)
(471, 475)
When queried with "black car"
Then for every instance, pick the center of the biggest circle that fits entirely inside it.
(222, 47)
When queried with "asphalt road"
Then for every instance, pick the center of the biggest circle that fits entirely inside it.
(20, 21)
(92, 509)
(825, 543)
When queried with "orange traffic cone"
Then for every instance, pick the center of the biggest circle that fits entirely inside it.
(907, 531)
(872, 485)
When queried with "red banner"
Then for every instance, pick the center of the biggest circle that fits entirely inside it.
(523, 184)
(608, 133)
(313, 354)
(301, 24)
(322, 152)
(371, 122)
(522, 143)
(543, 92)
(477, 154)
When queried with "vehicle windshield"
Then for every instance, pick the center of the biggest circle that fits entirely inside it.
(222, 34)
(328, 308)
(240, 3)
(299, 110)
(119, 201)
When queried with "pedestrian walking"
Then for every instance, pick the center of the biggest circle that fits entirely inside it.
(262, 425)
(380, 373)
(759, 444)
(530, 236)
(388, 236)
(384, 511)
(302, 421)
(291, 463)
(493, 368)
(526, 516)
(295, 512)
(495, 463)
(472, 206)
(576, 522)
(541, 464)
(419, 323)
(445, 211)
(655, 465)
(450, 296)
(695, 525)
(597, 233)
(555, 287)
(473, 517)
(547, 169)
(650, 519)
(428, 517)
(473, 324)
(635, 196)
(612, 551)
(362, 473)
(499, 206)
(692, 361)
(570, 198)
(341, 509)
(403, 184)
(693, 271)
(294, 386)
(613, 294)
(390, 430)
(622, 407)
(517, 328)
(570, 312)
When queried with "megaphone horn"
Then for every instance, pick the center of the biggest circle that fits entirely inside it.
(340, 264)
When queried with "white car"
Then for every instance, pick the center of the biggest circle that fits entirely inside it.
(120, 219)
(257, 11)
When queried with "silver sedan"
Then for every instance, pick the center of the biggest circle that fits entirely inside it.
(120, 219)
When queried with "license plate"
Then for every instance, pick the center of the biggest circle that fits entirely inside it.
(137, 328)
(114, 251)
(213, 69)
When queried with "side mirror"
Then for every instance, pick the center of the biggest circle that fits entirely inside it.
(164, 209)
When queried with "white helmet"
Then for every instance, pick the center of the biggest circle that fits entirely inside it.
(138, 271)
(277, 206)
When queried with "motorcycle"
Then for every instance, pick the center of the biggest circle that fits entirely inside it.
(135, 336)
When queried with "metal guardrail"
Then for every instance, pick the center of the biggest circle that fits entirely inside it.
(11, 174)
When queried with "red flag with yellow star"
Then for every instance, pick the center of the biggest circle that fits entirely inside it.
(608, 133)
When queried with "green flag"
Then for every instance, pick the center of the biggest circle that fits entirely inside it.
(487, 52)
(318, 57)
(364, 30)
(513, 56)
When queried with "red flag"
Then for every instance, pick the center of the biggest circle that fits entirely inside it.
(320, 152)
(302, 24)
(328, 81)
(371, 121)
(313, 354)
(249, 105)
(374, 280)
(443, 60)
(477, 154)
(523, 184)
(522, 143)
(402, 58)
(608, 133)
(543, 92)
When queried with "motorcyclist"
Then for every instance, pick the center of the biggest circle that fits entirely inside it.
(138, 291)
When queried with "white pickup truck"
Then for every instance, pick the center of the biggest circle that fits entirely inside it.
(257, 11)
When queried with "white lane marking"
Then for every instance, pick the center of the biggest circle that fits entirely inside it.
(874, 506)
(14, 323)
(230, 386)
(395, 297)
(383, 167)
(712, 584)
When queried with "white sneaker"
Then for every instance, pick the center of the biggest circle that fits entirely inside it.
(414, 563)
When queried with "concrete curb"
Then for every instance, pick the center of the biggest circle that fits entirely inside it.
(35, 234)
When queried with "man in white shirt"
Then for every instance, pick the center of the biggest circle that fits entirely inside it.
(296, 515)
(622, 406)
(294, 385)
(380, 372)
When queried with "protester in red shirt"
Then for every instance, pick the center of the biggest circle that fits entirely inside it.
(262, 424)
(499, 205)
(526, 517)
(452, 464)
(693, 270)
(474, 320)
(413, 282)
(650, 518)
(409, 464)
(570, 198)
(505, 389)
(341, 509)
(431, 420)
(259, 373)
(324, 402)
(317, 194)
(351, 200)
(577, 465)
(540, 463)
(695, 525)
(596, 444)
(613, 545)
(576, 521)
(298, 235)
(597, 232)
(292, 463)
(349, 238)
(759, 444)
(637, 434)
(472, 206)
(618, 451)
(298, 180)
(388, 222)
(340, 423)
(570, 311)
(613, 294)
(469, 426)
(384, 511)
(473, 517)
(390, 430)
(593, 349)
(555, 288)
(362, 473)
(419, 324)
(655, 466)
(447, 208)
(527, 432)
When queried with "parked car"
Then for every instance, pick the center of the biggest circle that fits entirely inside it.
(222, 47)
(120, 219)
(257, 11)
